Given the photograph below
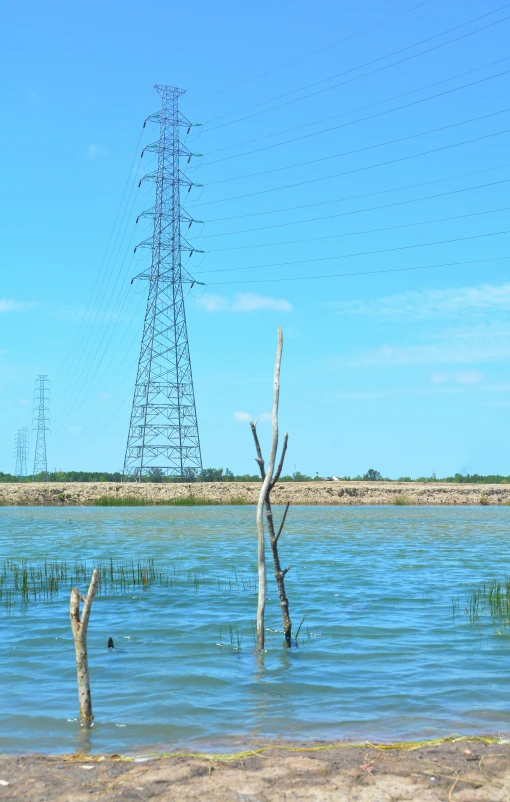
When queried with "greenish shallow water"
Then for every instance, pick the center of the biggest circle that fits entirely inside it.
(381, 655)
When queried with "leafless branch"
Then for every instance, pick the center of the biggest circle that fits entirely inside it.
(280, 530)
(280, 464)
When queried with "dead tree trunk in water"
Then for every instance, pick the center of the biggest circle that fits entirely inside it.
(79, 629)
(268, 482)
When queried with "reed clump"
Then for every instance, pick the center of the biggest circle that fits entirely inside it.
(484, 500)
(492, 600)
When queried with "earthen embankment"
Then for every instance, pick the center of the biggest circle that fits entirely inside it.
(56, 494)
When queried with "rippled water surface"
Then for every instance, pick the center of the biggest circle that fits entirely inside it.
(380, 654)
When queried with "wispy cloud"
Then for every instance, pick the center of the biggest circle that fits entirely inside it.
(461, 346)
(436, 303)
(244, 302)
(96, 151)
(245, 417)
(457, 377)
(15, 306)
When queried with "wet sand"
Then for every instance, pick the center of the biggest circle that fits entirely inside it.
(321, 493)
(458, 771)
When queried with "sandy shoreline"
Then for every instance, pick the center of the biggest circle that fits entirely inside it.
(459, 770)
(57, 494)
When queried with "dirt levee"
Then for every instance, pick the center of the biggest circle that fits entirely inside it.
(334, 493)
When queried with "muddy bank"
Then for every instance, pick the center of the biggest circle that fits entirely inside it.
(462, 771)
(344, 493)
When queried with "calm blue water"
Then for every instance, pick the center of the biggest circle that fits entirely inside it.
(380, 657)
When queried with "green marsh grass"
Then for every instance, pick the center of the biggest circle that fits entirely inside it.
(402, 501)
(184, 501)
(24, 582)
(491, 601)
(484, 500)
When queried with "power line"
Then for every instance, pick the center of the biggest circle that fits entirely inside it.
(353, 122)
(313, 53)
(364, 272)
(360, 211)
(102, 273)
(347, 198)
(357, 169)
(360, 66)
(90, 360)
(352, 255)
(357, 108)
(361, 150)
(358, 233)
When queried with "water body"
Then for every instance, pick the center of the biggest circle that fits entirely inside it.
(380, 655)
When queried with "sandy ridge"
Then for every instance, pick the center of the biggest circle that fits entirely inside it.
(465, 771)
(330, 493)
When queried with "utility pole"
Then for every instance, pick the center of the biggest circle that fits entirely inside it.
(21, 453)
(42, 423)
(163, 437)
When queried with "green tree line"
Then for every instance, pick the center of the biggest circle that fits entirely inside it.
(226, 475)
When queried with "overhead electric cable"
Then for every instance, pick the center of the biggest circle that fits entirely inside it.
(359, 233)
(313, 53)
(94, 360)
(353, 255)
(101, 272)
(359, 66)
(360, 211)
(361, 150)
(363, 273)
(111, 379)
(357, 108)
(341, 200)
(357, 169)
(70, 381)
(350, 122)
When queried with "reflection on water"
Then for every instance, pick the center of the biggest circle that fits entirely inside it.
(380, 654)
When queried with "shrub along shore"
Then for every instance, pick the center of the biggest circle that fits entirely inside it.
(55, 494)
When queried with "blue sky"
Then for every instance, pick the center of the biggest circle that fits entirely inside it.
(400, 362)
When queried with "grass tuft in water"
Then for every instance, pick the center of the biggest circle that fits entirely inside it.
(491, 601)
(23, 582)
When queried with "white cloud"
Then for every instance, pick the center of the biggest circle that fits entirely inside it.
(463, 346)
(244, 302)
(457, 377)
(96, 151)
(433, 303)
(14, 306)
(245, 417)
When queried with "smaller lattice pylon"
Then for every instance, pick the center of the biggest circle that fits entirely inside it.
(41, 424)
(21, 453)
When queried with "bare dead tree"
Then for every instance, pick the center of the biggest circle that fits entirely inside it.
(79, 629)
(269, 479)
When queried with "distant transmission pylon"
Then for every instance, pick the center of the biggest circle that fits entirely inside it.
(163, 435)
(41, 423)
(21, 453)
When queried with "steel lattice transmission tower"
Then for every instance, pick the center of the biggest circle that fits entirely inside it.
(21, 453)
(163, 431)
(41, 423)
